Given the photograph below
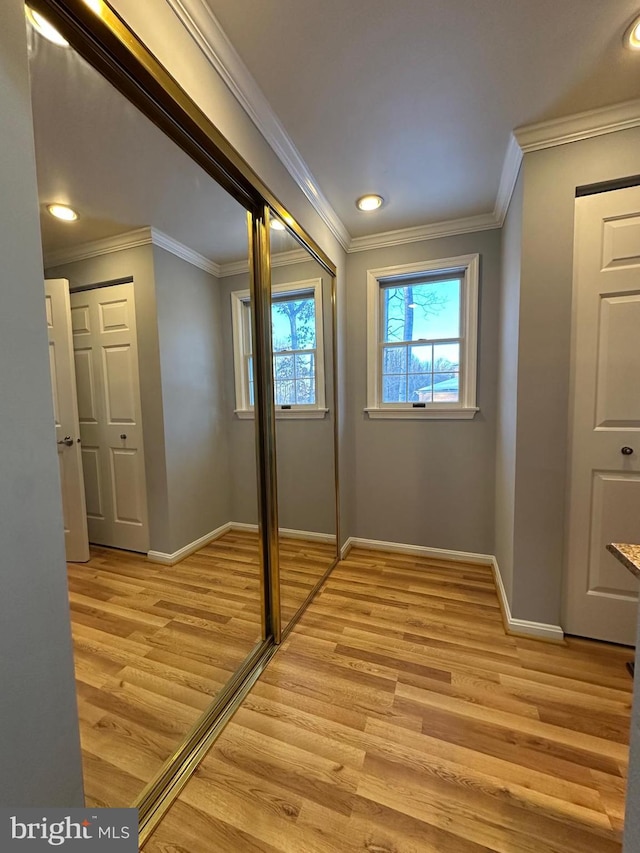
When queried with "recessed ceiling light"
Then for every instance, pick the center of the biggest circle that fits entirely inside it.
(42, 26)
(632, 35)
(62, 211)
(277, 225)
(369, 202)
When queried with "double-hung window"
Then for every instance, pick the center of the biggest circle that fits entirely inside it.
(298, 358)
(422, 339)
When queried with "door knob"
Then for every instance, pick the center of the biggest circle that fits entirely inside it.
(626, 451)
(123, 436)
(67, 440)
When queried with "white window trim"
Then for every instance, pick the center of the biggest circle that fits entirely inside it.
(466, 408)
(244, 410)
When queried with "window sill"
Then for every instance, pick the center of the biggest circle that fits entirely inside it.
(285, 414)
(465, 414)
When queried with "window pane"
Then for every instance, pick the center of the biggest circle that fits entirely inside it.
(421, 311)
(305, 365)
(293, 324)
(250, 375)
(394, 360)
(285, 392)
(445, 387)
(420, 359)
(420, 388)
(446, 357)
(424, 393)
(305, 392)
(394, 389)
(283, 367)
(246, 322)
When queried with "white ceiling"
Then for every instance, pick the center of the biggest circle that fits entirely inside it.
(416, 99)
(99, 154)
(413, 99)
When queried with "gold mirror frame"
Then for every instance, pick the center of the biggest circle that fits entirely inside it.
(102, 38)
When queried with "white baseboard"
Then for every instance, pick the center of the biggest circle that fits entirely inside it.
(191, 548)
(415, 550)
(540, 630)
(289, 532)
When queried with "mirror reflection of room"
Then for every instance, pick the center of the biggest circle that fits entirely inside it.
(302, 363)
(158, 494)
(302, 342)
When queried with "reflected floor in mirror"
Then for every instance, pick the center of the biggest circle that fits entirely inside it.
(153, 645)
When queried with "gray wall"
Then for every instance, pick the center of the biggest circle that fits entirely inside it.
(508, 388)
(424, 482)
(550, 180)
(39, 745)
(305, 448)
(193, 397)
(138, 263)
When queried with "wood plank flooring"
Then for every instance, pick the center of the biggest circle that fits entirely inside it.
(153, 645)
(400, 718)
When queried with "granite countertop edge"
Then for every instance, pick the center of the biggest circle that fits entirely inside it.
(628, 554)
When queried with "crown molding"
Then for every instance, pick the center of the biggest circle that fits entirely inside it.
(573, 128)
(281, 259)
(163, 241)
(205, 30)
(96, 248)
(508, 178)
(131, 240)
(448, 228)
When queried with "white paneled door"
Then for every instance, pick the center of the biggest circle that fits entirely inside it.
(65, 407)
(604, 495)
(106, 361)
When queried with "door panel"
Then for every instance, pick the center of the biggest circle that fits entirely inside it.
(127, 501)
(92, 484)
(65, 407)
(619, 362)
(604, 494)
(614, 518)
(118, 385)
(110, 416)
(87, 410)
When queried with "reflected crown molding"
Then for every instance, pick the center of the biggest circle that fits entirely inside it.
(131, 240)
(154, 237)
(282, 259)
(205, 30)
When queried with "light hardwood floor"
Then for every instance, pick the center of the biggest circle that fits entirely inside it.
(153, 645)
(399, 718)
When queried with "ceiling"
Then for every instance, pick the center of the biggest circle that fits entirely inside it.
(412, 99)
(416, 99)
(96, 152)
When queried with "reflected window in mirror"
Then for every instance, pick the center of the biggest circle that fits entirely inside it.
(298, 357)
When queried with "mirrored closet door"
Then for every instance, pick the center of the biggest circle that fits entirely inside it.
(192, 354)
(166, 605)
(302, 301)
